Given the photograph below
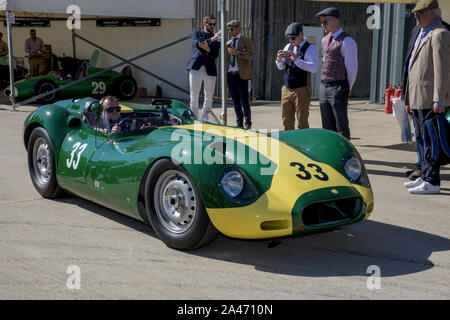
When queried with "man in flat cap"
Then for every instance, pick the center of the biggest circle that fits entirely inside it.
(298, 59)
(428, 87)
(240, 53)
(339, 69)
(417, 171)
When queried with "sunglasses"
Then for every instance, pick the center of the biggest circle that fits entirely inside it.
(292, 38)
(112, 109)
(210, 24)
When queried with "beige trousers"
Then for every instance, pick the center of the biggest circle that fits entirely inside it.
(37, 66)
(295, 104)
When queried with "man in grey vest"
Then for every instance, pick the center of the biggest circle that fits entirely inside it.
(339, 69)
(298, 59)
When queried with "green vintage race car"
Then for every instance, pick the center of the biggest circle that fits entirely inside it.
(120, 84)
(191, 180)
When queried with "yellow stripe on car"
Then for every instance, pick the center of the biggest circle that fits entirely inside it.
(276, 204)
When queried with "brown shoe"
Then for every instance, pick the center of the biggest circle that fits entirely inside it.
(248, 126)
(415, 174)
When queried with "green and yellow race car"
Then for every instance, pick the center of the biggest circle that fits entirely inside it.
(191, 180)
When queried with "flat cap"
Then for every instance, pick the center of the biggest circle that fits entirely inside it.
(234, 23)
(293, 29)
(332, 11)
(424, 5)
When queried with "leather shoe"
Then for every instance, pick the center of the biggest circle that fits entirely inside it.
(415, 174)
(248, 126)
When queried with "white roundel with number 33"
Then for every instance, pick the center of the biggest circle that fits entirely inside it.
(76, 147)
(98, 87)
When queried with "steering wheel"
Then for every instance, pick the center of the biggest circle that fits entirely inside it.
(123, 124)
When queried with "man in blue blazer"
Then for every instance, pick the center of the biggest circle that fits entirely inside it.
(202, 66)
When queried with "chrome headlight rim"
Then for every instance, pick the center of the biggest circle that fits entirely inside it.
(232, 183)
(353, 168)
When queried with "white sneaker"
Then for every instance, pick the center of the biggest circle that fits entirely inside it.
(425, 188)
(413, 184)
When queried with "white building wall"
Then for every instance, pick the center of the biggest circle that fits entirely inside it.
(445, 8)
(127, 42)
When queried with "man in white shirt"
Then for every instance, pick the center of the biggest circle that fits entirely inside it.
(339, 69)
(298, 59)
(34, 47)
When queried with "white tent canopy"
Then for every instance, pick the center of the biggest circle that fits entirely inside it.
(173, 9)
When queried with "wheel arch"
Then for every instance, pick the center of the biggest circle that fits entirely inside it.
(53, 118)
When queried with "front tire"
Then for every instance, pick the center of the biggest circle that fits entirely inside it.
(174, 208)
(41, 164)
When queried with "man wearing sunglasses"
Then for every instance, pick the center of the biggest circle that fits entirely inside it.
(339, 69)
(240, 51)
(111, 115)
(298, 59)
(202, 66)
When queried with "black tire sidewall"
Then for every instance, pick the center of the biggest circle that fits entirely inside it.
(182, 241)
(46, 99)
(117, 87)
(50, 189)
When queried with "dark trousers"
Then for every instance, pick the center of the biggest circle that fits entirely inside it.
(430, 172)
(239, 94)
(333, 101)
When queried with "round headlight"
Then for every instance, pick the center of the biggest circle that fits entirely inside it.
(233, 183)
(353, 168)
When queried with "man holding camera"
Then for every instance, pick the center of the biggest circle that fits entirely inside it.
(202, 66)
(298, 59)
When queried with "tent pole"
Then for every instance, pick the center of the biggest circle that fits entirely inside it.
(222, 8)
(74, 51)
(11, 66)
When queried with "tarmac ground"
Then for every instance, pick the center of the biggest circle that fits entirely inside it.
(405, 241)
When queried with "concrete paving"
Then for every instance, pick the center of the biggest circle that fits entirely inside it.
(406, 237)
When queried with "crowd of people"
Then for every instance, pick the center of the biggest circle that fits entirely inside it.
(297, 60)
(426, 77)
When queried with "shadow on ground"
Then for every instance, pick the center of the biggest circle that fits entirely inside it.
(400, 165)
(347, 251)
(399, 146)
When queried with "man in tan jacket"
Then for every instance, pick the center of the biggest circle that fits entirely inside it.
(3, 46)
(428, 86)
(240, 52)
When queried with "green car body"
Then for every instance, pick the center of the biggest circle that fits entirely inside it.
(109, 82)
(291, 182)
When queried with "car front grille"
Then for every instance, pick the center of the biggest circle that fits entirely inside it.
(331, 212)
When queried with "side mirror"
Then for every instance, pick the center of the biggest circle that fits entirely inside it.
(96, 109)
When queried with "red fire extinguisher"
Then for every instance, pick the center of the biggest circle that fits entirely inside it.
(387, 99)
(398, 91)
